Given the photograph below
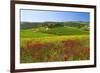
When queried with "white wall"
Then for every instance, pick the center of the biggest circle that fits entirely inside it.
(5, 37)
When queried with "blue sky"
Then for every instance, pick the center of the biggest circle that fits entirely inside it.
(57, 16)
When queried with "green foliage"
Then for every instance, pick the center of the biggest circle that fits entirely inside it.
(76, 24)
(28, 25)
(65, 31)
(32, 33)
(54, 25)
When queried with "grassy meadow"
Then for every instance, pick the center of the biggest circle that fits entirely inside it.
(54, 41)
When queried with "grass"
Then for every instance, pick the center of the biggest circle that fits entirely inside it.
(64, 31)
(42, 32)
(30, 34)
(55, 38)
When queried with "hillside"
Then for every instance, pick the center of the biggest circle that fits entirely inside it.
(28, 25)
(42, 32)
(65, 31)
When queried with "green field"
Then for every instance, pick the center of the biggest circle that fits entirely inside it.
(42, 44)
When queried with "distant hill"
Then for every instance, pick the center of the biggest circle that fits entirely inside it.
(28, 25)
